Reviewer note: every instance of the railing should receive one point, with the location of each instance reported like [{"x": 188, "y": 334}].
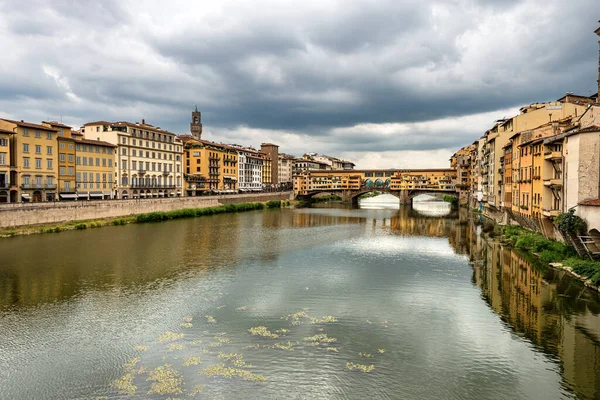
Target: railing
[
  {"x": 38, "y": 186},
  {"x": 553, "y": 155},
  {"x": 141, "y": 171},
  {"x": 166, "y": 172},
  {"x": 151, "y": 186}
]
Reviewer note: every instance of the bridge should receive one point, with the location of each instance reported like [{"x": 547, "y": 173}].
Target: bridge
[{"x": 405, "y": 184}]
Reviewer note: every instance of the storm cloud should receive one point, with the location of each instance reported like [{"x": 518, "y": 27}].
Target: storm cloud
[{"x": 386, "y": 83}]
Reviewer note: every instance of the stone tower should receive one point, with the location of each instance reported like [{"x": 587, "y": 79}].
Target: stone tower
[
  {"x": 597, "y": 31},
  {"x": 196, "y": 125}
]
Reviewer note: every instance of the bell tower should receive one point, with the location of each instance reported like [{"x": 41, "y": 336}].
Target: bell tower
[{"x": 196, "y": 125}]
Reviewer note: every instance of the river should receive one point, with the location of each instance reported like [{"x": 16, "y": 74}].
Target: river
[{"x": 439, "y": 312}]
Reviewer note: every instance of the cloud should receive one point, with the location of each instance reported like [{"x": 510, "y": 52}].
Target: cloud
[{"x": 355, "y": 78}]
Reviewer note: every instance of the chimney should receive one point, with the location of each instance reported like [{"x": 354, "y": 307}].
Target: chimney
[{"x": 143, "y": 121}]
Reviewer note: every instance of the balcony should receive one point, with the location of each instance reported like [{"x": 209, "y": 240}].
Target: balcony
[
  {"x": 166, "y": 172},
  {"x": 151, "y": 186},
  {"x": 550, "y": 213},
  {"x": 141, "y": 171},
  {"x": 38, "y": 186},
  {"x": 552, "y": 182},
  {"x": 216, "y": 158},
  {"x": 553, "y": 155}
]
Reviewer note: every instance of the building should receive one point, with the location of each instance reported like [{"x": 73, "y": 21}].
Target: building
[
  {"x": 462, "y": 163},
  {"x": 196, "y": 124},
  {"x": 5, "y": 166},
  {"x": 65, "y": 161},
  {"x": 148, "y": 161},
  {"x": 272, "y": 151},
  {"x": 250, "y": 170},
  {"x": 284, "y": 166},
  {"x": 209, "y": 167},
  {"x": 33, "y": 166},
  {"x": 267, "y": 172},
  {"x": 300, "y": 165},
  {"x": 95, "y": 168}
]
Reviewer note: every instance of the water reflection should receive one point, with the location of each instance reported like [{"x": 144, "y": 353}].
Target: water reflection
[{"x": 395, "y": 278}]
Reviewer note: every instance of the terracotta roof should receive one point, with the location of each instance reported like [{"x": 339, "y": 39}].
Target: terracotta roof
[
  {"x": 54, "y": 123},
  {"x": 97, "y": 123},
  {"x": 591, "y": 128},
  {"x": 28, "y": 125},
  {"x": 591, "y": 203},
  {"x": 95, "y": 142},
  {"x": 6, "y": 131}
]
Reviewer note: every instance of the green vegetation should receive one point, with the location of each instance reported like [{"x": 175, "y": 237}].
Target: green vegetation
[
  {"x": 547, "y": 250},
  {"x": 197, "y": 212},
  {"x": 333, "y": 197},
  {"x": 367, "y": 195},
  {"x": 274, "y": 204},
  {"x": 450, "y": 199},
  {"x": 586, "y": 268},
  {"x": 570, "y": 223}
]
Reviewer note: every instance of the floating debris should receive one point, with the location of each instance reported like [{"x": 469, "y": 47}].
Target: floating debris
[
  {"x": 205, "y": 351},
  {"x": 254, "y": 346},
  {"x": 381, "y": 351},
  {"x": 197, "y": 390},
  {"x": 130, "y": 366},
  {"x": 288, "y": 346},
  {"x": 186, "y": 325},
  {"x": 236, "y": 359},
  {"x": 282, "y": 331},
  {"x": 334, "y": 349},
  {"x": 262, "y": 331},
  {"x": 187, "y": 319},
  {"x": 170, "y": 336},
  {"x": 319, "y": 339},
  {"x": 140, "y": 348},
  {"x": 175, "y": 346},
  {"x": 215, "y": 344},
  {"x": 166, "y": 380},
  {"x": 219, "y": 307},
  {"x": 228, "y": 372},
  {"x": 196, "y": 341},
  {"x": 124, "y": 385},
  {"x": 324, "y": 320},
  {"x": 296, "y": 318},
  {"x": 365, "y": 355},
  {"x": 360, "y": 367},
  {"x": 210, "y": 319},
  {"x": 242, "y": 308},
  {"x": 193, "y": 360}
]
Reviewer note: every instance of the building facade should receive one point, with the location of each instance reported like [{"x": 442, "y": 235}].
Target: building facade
[
  {"x": 209, "y": 167},
  {"x": 271, "y": 172},
  {"x": 5, "y": 166},
  {"x": 250, "y": 171},
  {"x": 148, "y": 161}
]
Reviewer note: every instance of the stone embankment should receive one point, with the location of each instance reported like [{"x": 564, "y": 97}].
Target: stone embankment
[{"x": 16, "y": 215}]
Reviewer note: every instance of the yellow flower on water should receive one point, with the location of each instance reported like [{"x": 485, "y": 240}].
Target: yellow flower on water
[
  {"x": 186, "y": 325},
  {"x": 210, "y": 319},
  {"x": 197, "y": 390},
  {"x": 325, "y": 319},
  {"x": 366, "y": 355},
  {"x": 193, "y": 360},
  {"x": 334, "y": 349},
  {"x": 320, "y": 338},
  {"x": 187, "y": 319},
  {"x": 170, "y": 336},
  {"x": 381, "y": 351},
  {"x": 175, "y": 346},
  {"x": 360, "y": 367},
  {"x": 166, "y": 380},
  {"x": 140, "y": 348},
  {"x": 263, "y": 332}
]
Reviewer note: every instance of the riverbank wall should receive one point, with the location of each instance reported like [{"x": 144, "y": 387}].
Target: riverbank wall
[{"x": 17, "y": 215}]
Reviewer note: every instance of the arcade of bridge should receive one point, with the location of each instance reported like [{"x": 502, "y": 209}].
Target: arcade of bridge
[{"x": 394, "y": 180}]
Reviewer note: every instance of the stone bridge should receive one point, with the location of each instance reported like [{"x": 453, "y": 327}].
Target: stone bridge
[{"x": 350, "y": 184}]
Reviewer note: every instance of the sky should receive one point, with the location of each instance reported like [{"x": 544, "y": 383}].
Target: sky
[{"x": 386, "y": 84}]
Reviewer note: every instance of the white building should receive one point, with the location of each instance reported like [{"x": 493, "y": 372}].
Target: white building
[
  {"x": 250, "y": 169},
  {"x": 148, "y": 161}
]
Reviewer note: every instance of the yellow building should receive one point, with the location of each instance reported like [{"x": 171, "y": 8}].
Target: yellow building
[
  {"x": 65, "y": 160},
  {"x": 95, "y": 174},
  {"x": 33, "y": 156},
  {"x": 267, "y": 174},
  {"x": 209, "y": 166},
  {"x": 5, "y": 169}
]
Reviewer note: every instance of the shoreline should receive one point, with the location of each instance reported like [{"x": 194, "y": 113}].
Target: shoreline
[
  {"x": 158, "y": 216},
  {"x": 508, "y": 239}
]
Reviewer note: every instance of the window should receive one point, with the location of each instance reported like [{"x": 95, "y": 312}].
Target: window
[
  {"x": 78, "y": 160},
  {"x": 97, "y": 161},
  {"x": 25, "y": 133},
  {"x": 124, "y": 152},
  {"x": 62, "y": 170},
  {"x": 110, "y": 162},
  {"x": 71, "y": 158},
  {"x": 3, "y": 142},
  {"x": 50, "y": 181},
  {"x": 124, "y": 140},
  {"x": 124, "y": 164},
  {"x": 90, "y": 161},
  {"x": 38, "y": 163},
  {"x": 38, "y": 149},
  {"x": 104, "y": 162},
  {"x": 25, "y": 148},
  {"x": 62, "y": 132},
  {"x": 72, "y": 171},
  {"x": 49, "y": 150},
  {"x": 67, "y": 186},
  {"x": 62, "y": 145},
  {"x": 84, "y": 160},
  {"x": 134, "y": 153},
  {"x": 2, "y": 158},
  {"x": 25, "y": 162},
  {"x": 134, "y": 165},
  {"x": 38, "y": 134},
  {"x": 97, "y": 129},
  {"x": 62, "y": 157},
  {"x": 49, "y": 135},
  {"x": 26, "y": 181},
  {"x": 70, "y": 146}
]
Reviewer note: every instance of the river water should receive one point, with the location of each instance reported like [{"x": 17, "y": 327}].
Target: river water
[{"x": 437, "y": 310}]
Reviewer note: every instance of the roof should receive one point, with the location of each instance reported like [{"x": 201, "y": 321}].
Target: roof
[
  {"x": 591, "y": 128},
  {"x": 54, "y": 123},
  {"x": 95, "y": 142},
  {"x": 595, "y": 203},
  {"x": 6, "y": 131},
  {"x": 269, "y": 144},
  {"x": 97, "y": 123},
  {"x": 29, "y": 125}
]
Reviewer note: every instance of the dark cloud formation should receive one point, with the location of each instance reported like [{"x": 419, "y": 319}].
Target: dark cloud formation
[{"x": 355, "y": 76}]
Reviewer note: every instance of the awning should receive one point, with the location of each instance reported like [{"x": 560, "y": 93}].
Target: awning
[
  {"x": 161, "y": 194},
  {"x": 25, "y": 196},
  {"x": 96, "y": 194},
  {"x": 233, "y": 178},
  {"x": 68, "y": 196},
  {"x": 143, "y": 195},
  {"x": 178, "y": 192},
  {"x": 172, "y": 193},
  {"x": 155, "y": 194}
]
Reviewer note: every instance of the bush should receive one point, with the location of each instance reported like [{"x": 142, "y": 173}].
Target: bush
[
  {"x": 570, "y": 223},
  {"x": 450, "y": 199},
  {"x": 274, "y": 204},
  {"x": 197, "y": 212},
  {"x": 120, "y": 221},
  {"x": 81, "y": 226},
  {"x": 587, "y": 268}
]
